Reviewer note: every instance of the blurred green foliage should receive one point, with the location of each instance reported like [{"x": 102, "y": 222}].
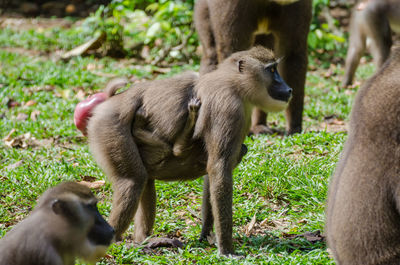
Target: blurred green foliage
[
  {"x": 156, "y": 31},
  {"x": 162, "y": 31},
  {"x": 324, "y": 42}
]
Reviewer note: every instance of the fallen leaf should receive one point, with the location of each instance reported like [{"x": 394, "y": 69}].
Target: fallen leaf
[
  {"x": 250, "y": 226},
  {"x": 15, "y": 165},
  {"x": 93, "y": 185},
  {"x": 30, "y": 103},
  {"x": 34, "y": 115},
  {"x": 349, "y": 92},
  {"x": 314, "y": 236},
  {"x": 211, "y": 239},
  {"x": 328, "y": 74},
  {"x": 264, "y": 222},
  {"x": 161, "y": 70},
  {"x": 92, "y": 44},
  {"x": 80, "y": 95},
  {"x": 22, "y": 116},
  {"x": 46, "y": 88},
  {"x": 20, "y": 141},
  {"x": 309, "y": 236},
  {"x": 8, "y": 136},
  {"x": 280, "y": 224},
  {"x": 194, "y": 213},
  {"x": 164, "y": 242},
  {"x": 89, "y": 178},
  {"x": 63, "y": 93},
  {"x": 12, "y": 103},
  {"x": 91, "y": 66},
  {"x": 145, "y": 53}
]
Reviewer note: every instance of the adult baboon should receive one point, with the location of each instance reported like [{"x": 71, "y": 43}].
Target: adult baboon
[
  {"x": 363, "y": 218},
  {"x": 225, "y": 27},
  {"x": 64, "y": 225},
  {"x": 371, "y": 20},
  {"x": 227, "y": 95}
]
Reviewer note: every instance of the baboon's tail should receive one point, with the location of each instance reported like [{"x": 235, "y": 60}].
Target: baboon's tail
[{"x": 114, "y": 84}]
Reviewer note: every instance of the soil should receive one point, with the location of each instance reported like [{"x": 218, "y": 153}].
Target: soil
[{"x": 46, "y": 8}]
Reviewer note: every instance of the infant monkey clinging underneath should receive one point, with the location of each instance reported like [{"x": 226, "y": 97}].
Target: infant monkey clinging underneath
[{"x": 213, "y": 135}]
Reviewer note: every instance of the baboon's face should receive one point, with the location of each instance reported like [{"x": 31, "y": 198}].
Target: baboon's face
[
  {"x": 87, "y": 225},
  {"x": 100, "y": 233},
  {"x": 272, "y": 92}
]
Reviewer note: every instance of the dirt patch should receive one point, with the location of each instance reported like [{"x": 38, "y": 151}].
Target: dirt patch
[
  {"x": 332, "y": 124},
  {"x": 33, "y": 23}
]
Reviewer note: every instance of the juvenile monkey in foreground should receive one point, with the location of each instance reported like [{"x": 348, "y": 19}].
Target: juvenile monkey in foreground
[
  {"x": 64, "y": 225},
  {"x": 228, "y": 95},
  {"x": 371, "y": 20},
  {"x": 225, "y": 27},
  {"x": 363, "y": 216}
]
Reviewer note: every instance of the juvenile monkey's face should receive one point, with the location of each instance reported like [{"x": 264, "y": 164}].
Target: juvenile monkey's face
[
  {"x": 87, "y": 226},
  {"x": 273, "y": 93},
  {"x": 100, "y": 235}
]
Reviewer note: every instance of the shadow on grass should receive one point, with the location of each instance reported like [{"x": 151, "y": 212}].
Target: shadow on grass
[{"x": 283, "y": 244}]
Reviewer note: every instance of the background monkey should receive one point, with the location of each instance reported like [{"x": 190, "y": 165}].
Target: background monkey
[
  {"x": 228, "y": 95},
  {"x": 371, "y": 20},
  {"x": 363, "y": 218},
  {"x": 225, "y": 27},
  {"x": 64, "y": 225}
]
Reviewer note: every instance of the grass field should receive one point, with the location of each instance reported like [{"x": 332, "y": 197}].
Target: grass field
[{"x": 279, "y": 188}]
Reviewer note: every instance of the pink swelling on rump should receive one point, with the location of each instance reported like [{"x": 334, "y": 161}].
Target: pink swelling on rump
[{"x": 84, "y": 110}]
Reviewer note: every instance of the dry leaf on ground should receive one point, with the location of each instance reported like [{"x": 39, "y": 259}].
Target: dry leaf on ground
[
  {"x": 15, "y": 165},
  {"x": 93, "y": 185},
  {"x": 212, "y": 239},
  {"x": 89, "y": 178},
  {"x": 34, "y": 115},
  {"x": 312, "y": 237},
  {"x": 12, "y": 103},
  {"x": 20, "y": 141},
  {"x": 22, "y": 117},
  {"x": 30, "y": 103},
  {"x": 250, "y": 226},
  {"x": 164, "y": 242}
]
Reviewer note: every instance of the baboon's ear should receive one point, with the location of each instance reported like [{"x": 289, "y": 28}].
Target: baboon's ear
[
  {"x": 65, "y": 208},
  {"x": 58, "y": 206},
  {"x": 240, "y": 64}
]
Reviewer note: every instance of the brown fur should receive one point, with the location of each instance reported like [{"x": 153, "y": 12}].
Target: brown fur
[
  {"x": 372, "y": 20},
  {"x": 227, "y": 98},
  {"x": 225, "y": 27},
  {"x": 363, "y": 218},
  {"x": 58, "y": 230},
  {"x": 144, "y": 136}
]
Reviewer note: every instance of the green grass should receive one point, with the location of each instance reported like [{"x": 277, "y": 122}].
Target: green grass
[{"x": 282, "y": 180}]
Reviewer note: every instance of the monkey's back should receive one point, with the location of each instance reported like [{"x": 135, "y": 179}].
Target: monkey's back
[
  {"x": 165, "y": 103},
  {"x": 363, "y": 220}
]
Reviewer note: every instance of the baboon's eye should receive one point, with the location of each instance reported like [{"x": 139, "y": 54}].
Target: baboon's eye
[{"x": 271, "y": 68}]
